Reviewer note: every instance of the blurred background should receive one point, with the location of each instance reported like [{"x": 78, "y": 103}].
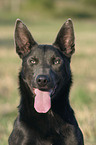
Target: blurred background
[{"x": 44, "y": 19}]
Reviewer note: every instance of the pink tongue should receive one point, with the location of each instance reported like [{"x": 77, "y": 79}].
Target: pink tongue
[{"x": 42, "y": 101}]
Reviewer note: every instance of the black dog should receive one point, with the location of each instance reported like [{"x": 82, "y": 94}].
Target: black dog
[{"x": 45, "y": 115}]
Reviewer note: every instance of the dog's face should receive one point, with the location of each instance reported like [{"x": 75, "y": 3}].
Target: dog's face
[
  {"x": 42, "y": 67},
  {"x": 45, "y": 68}
]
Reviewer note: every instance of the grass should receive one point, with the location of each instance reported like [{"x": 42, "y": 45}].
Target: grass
[{"x": 83, "y": 92}]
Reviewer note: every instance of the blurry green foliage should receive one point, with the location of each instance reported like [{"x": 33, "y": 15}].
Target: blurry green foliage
[
  {"x": 44, "y": 4},
  {"x": 53, "y": 8},
  {"x": 90, "y": 2}
]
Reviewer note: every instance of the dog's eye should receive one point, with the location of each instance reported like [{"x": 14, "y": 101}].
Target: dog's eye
[
  {"x": 33, "y": 61},
  {"x": 56, "y": 61}
]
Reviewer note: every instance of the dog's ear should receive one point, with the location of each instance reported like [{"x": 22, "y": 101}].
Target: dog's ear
[
  {"x": 65, "y": 39},
  {"x": 23, "y": 39}
]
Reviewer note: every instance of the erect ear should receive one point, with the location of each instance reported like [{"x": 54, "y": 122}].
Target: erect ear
[
  {"x": 65, "y": 39},
  {"x": 23, "y": 39}
]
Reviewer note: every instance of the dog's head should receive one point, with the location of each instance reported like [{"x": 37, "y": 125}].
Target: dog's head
[{"x": 45, "y": 68}]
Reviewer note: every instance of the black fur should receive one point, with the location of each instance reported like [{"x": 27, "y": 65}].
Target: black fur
[{"x": 58, "y": 126}]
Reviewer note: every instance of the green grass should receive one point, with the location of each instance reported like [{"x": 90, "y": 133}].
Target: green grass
[{"x": 83, "y": 92}]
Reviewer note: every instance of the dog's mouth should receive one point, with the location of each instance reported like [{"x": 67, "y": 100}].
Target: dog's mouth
[{"x": 42, "y": 101}]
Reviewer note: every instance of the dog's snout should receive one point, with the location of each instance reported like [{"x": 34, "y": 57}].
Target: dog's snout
[{"x": 42, "y": 80}]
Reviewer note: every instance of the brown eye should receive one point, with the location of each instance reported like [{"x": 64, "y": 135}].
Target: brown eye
[
  {"x": 33, "y": 61},
  {"x": 56, "y": 61}
]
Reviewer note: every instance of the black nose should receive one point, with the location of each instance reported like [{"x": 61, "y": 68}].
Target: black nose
[{"x": 42, "y": 80}]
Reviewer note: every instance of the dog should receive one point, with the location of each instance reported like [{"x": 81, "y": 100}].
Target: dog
[{"x": 45, "y": 115}]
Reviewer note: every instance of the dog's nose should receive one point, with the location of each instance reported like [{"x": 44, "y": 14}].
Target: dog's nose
[{"x": 42, "y": 80}]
